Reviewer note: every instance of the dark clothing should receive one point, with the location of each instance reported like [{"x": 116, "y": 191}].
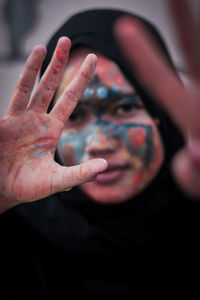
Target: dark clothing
[
  {"x": 52, "y": 250},
  {"x": 67, "y": 245}
]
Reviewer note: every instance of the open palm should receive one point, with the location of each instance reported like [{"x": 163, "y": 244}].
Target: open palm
[{"x": 29, "y": 135}]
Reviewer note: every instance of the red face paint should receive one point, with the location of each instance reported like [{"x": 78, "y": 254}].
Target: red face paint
[
  {"x": 134, "y": 153},
  {"x": 137, "y": 136},
  {"x": 118, "y": 79}
]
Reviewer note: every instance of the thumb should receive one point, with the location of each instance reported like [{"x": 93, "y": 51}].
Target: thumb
[{"x": 67, "y": 177}]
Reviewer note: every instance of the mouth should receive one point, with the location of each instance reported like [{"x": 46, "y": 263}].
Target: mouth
[{"x": 112, "y": 174}]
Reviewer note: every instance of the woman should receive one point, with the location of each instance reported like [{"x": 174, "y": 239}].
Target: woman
[{"x": 123, "y": 232}]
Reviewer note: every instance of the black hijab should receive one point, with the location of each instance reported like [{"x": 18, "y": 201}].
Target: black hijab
[{"x": 71, "y": 220}]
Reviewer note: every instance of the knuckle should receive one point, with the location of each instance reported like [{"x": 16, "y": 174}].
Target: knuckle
[
  {"x": 82, "y": 172},
  {"x": 72, "y": 96},
  {"x": 51, "y": 86},
  {"x": 24, "y": 88},
  {"x": 86, "y": 75},
  {"x": 32, "y": 68}
]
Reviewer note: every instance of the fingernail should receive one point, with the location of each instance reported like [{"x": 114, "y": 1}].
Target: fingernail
[
  {"x": 65, "y": 41},
  {"x": 69, "y": 189},
  {"x": 94, "y": 61},
  {"x": 99, "y": 166}
]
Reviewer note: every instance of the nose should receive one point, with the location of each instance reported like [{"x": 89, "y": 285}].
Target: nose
[{"x": 102, "y": 145}]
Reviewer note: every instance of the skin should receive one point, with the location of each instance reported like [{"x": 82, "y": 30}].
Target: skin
[
  {"x": 29, "y": 135},
  {"x": 111, "y": 122}
]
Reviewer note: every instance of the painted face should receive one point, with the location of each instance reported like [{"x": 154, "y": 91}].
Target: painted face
[{"x": 111, "y": 122}]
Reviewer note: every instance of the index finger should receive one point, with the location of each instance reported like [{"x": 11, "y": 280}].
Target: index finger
[{"x": 187, "y": 28}]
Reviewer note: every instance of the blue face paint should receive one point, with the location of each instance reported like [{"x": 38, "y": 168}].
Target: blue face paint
[
  {"x": 110, "y": 97},
  {"x": 115, "y": 87},
  {"x": 98, "y": 90},
  {"x": 102, "y": 92},
  {"x": 88, "y": 93},
  {"x": 98, "y": 108},
  {"x": 80, "y": 140}
]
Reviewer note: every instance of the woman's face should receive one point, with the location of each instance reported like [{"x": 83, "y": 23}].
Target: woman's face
[{"x": 111, "y": 122}]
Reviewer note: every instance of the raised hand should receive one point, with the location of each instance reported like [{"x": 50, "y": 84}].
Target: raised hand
[
  {"x": 29, "y": 135},
  {"x": 182, "y": 103}
]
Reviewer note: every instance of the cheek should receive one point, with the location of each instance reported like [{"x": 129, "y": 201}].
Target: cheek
[
  {"x": 67, "y": 153},
  {"x": 140, "y": 142},
  {"x": 71, "y": 148}
]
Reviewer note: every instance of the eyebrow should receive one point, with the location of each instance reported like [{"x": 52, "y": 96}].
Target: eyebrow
[{"x": 119, "y": 97}]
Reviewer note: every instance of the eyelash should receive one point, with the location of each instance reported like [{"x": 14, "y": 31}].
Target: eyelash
[
  {"x": 77, "y": 117},
  {"x": 128, "y": 108}
]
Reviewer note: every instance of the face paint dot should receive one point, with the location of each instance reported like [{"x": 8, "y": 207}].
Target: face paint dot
[
  {"x": 115, "y": 87},
  {"x": 88, "y": 92},
  {"x": 102, "y": 92},
  {"x": 21, "y": 75}
]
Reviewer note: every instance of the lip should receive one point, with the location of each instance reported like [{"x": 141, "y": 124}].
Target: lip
[{"x": 113, "y": 173}]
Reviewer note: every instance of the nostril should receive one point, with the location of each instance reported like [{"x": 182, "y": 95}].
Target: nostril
[
  {"x": 100, "y": 152},
  {"x": 101, "y": 144},
  {"x": 101, "y": 147}
]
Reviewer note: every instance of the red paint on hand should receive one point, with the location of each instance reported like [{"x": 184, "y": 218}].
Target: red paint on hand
[
  {"x": 55, "y": 71},
  {"x": 61, "y": 54}
]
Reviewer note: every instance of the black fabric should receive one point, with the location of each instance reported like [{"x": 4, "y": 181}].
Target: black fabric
[{"x": 66, "y": 246}]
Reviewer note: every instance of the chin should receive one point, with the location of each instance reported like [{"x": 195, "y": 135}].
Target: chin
[{"x": 110, "y": 194}]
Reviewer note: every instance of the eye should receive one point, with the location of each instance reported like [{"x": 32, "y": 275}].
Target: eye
[
  {"x": 128, "y": 106},
  {"x": 77, "y": 116},
  {"x": 126, "y": 109}
]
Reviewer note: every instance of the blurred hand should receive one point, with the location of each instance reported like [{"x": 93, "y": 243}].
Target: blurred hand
[
  {"x": 29, "y": 135},
  {"x": 182, "y": 103}
]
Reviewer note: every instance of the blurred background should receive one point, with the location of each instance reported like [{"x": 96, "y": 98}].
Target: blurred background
[{"x": 25, "y": 23}]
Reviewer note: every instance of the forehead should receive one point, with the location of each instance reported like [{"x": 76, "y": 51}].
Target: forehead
[{"x": 108, "y": 79}]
